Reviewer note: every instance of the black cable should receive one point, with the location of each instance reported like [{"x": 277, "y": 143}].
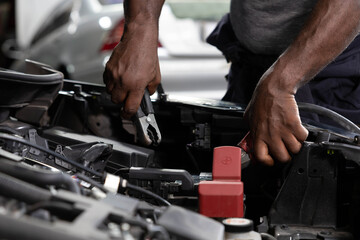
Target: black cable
[
  {"x": 56, "y": 155},
  {"x": 339, "y": 119},
  {"x": 39, "y": 176},
  {"x": 92, "y": 182},
  {"x": 143, "y": 191},
  {"x": 23, "y": 191}
]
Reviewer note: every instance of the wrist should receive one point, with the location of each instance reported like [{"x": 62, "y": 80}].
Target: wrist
[
  {"x": 142, "y": 20},
  {"x": 140, "y": 12},
  {"x": 141, "y": 34},
  {"x": 283, "y": 77}
]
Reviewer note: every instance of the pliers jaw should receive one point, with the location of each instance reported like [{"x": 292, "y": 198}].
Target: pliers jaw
[{"x": 148, "y": 132}]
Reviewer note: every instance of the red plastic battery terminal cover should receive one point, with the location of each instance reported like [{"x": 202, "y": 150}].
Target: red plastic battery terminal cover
[{"x": 223, "y": 197}]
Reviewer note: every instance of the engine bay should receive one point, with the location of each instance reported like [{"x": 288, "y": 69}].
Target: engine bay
[{"x": 72, "y": 168}]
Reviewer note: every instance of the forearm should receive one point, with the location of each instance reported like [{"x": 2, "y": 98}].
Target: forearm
[
  {"x": 142, "y": 11},
  {"x": 331, "y": 27},
  {"x": 142, "y": 16}
]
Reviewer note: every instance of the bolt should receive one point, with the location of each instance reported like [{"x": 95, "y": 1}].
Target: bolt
[{"x": 148, "y": 120}]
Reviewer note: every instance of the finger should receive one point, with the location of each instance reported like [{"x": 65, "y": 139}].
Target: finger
[
  {"x": 301, "y": 133},
  {"x": 291, "y": 143},
  {"x": 132, "y": 103},
  {"x": 118, "y": 95},
  {"x": 278, "y": 150},
  {"x": 261, "y": 153}
]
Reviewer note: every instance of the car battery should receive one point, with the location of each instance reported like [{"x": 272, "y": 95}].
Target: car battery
[{"x": 223, "y": 197}]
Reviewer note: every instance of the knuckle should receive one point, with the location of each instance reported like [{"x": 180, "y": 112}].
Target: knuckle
[{"x": 294, "y": 124}]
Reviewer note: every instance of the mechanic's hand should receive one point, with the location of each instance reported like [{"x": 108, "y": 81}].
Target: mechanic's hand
[
  {"x": 132, "y": 67},
  {"x": 275, "y": 125}
]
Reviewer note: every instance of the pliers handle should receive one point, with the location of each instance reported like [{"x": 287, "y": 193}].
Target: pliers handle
[{"x": 246, "y": 146}]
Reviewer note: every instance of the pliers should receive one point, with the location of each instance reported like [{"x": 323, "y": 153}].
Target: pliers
[{"x": 148, "y": 132}]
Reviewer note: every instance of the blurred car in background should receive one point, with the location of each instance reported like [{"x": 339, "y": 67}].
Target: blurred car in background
[{"x": 78, "y": 36}]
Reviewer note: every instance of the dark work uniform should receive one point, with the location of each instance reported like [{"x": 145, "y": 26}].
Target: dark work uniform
[
  {"x": 256, "y": 32},
  {"x": 252, "y": 37}
]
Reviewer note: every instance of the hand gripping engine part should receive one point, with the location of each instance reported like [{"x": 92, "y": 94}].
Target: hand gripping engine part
[{"x": 224, "y": 196}]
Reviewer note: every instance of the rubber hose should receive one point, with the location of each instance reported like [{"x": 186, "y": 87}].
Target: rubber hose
[
  {"x": 341, "y": 120},
  {"x": 23, "y": 191},
  {"x": 39, "y": 177}
]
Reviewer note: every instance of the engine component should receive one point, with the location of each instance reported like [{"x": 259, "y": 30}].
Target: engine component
[
  {"x": 310, "y": 195},
  {"x": 224, "y": 196},
  {"x": 187, "y": 224},
  {"x": 240, "y": 228},
  {"x": 38, "y": 176},
  {"x": 94, "y": 155},
  {"x": 29, "y": 95},
  {"x": 318, "y": 192},
  {"x": 123, "y": 155},
  {"x": 164, "y": 182},
  {"x": 111, "y": 218}
]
